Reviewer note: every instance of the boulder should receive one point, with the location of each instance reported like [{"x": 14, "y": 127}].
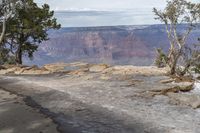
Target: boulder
[
  {"x": 20, "y": 70},
  {"x": 98, "y": 68},
  {"x": 35, "y": 72},
  {"x": 142, "y": 70},
  {"x": 57, "y": 67},
  {"x": 3, "y": 72},
  {"x": 26, "y": 68},
  {"x": 78, "y": 72},
  {"x": 10, "y": 70}
]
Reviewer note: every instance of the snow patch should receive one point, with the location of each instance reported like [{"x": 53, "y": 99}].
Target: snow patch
[{"x": 196, "y": 87}]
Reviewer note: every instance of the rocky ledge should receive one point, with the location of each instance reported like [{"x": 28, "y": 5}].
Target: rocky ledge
[{"x": 98, "y": 98}]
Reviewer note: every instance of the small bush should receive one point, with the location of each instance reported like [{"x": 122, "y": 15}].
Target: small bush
[{"x": 161, "y": 58}]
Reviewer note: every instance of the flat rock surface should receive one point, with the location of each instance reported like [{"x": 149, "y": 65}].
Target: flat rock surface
[
  {"x": 17, "y": 117},
  {"x": 110, "y": 101}
]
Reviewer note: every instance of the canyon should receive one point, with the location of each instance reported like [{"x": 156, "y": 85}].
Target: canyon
[{"x": 119, "y": 45}]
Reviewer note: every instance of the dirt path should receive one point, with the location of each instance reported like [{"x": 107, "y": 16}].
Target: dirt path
[{"x": 17, "y": 117}]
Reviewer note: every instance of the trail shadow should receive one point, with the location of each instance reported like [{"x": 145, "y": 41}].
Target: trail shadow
[{"x": 16, "y": 117}]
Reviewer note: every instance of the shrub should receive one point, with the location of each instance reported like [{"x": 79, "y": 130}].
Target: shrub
[{"x": 161, "y": 58}]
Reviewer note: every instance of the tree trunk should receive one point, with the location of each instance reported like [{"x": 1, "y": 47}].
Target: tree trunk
[
  {"x": 174, "y": 58},
  {"x": 173, "y": 68},
  {"x": 171, "y": 61},
  {"x": 172, "y": 64},
  {"x": 18, "y": 56},
  {"x": 3, "y": 30}
]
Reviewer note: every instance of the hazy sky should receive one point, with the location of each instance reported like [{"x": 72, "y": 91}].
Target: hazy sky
[
  {"x": 102, "y": 4},
  {"x": 120, "y": 12}
]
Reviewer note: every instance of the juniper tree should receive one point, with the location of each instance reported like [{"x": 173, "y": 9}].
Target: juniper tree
[
  {"x": 28, "y": 28},
  {"x": 178, "y": 13}
]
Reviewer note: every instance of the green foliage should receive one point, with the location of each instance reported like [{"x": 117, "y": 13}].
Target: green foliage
[
  {"x": 3, "y": 55},
  {"x": 178, "y": 12},
  {"x": 28, "y": 28},
  {"x": 196, "y": 65},
  {"x": 161, "y": 58},
  {"x": 5, "y": 58},
  {"x": 196, "y": 69}
]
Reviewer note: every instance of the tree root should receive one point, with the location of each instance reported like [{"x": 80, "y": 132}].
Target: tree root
[{"x": 175, "y": 89}]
